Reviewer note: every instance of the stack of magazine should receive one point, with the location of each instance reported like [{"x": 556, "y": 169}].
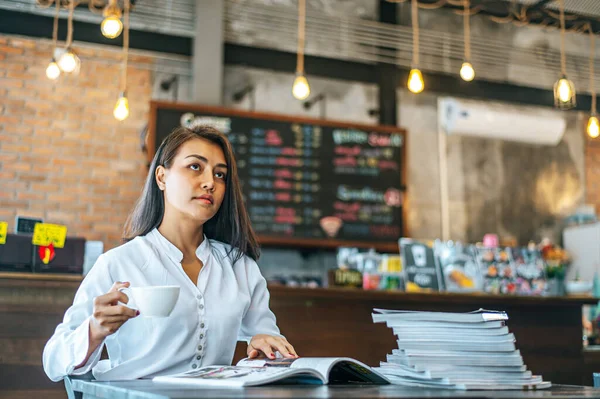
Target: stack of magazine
[{"x": 455, "y": 351}]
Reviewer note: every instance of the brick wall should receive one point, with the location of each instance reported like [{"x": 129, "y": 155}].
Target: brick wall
[{"x": 63, "y": 156}]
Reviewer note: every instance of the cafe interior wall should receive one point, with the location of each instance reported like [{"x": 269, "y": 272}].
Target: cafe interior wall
[
  {"x": 475, "y": 193},
  {"x": 516, "y": 190},
  {"x": 488, "y": 189},
  {"x": 519, "y": 191}
]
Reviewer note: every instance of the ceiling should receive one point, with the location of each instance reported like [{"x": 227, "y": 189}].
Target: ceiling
[
  {"x": 545, "y": 12},
  {"x": 586, "y": 8},
  {"x": 177, "y": 16}
]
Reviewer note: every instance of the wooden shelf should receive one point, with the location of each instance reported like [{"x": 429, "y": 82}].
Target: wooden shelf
[
  {"x": 312, "y": 244},
  {"x": 481, "y": 299},
  {"x": 40, "y": 280},
  {"x": 41, "y": 276}
]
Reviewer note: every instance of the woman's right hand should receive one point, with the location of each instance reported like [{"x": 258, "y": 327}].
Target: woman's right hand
[{"x": 108, "y": 316}]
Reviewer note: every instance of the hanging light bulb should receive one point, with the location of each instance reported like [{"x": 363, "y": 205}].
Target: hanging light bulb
[
  {"x": 68, "y": 61},
  {"x": 593, "y": 127},
  {"x": 467, "y": 73},
  {"x": 564, "y": 93},
  {"x": 121, "y": 111},
  {"x": 301, "y": 89},
  {"x": 415, "y": 81},
  {"x": 564, "y": 89},
  {"x": 415, "y": 78},
  {"x": 52, "y": 71},
  {"x": 112, "y": 26}
]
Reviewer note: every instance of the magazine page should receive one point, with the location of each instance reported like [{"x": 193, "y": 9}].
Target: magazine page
[
  {"x": 264, "y": 362},
  {"x": 456, "y": 338},
  {"x": 444, "y": 370},
  {"x": 444, "y": 383},
  {"x": 458, "y": 332},
  {"x": 235, "y": 376},
  {"x": 477, "y": 316},
  {"x": 516, "y": 354},
  {"x": 505, "y": 387},
  {"x": 422, "y": 382},
  {"x": 424, "y": 362},
  {"x": 458, "y": 346},
  {"x": 341, "y": 370},
  {"x": 321, "y": 364},
  {"x": 431, "y": 325}
]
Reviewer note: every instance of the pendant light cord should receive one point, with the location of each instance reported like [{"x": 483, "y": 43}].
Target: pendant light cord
[
  {"x": 592, "y": 60},
  {"x": 301, "y": 36},
  {"x": 415, "y": 26},
  {"x": 70, "y": 23},
  {"x": 467, "y": 22},
  {"x": 125, "y": 47},
  {"x": 563, "y": 57}
]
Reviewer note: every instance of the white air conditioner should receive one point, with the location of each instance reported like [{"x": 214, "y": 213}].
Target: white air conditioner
[{"x": 499, "y": 121}]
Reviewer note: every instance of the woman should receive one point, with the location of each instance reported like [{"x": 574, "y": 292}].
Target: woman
[{"x": 189, "y": 228}]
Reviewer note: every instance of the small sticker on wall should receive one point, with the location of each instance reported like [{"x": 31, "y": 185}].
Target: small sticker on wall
[
  {"x": 45, "y": 234},
  {"x": 331, "y": 225},
  {"x": 46, "y": 253},
  {"x": 3, "y": 232}
]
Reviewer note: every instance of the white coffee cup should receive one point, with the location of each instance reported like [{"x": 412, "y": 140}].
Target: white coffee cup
[{"x": 153, "y": 301}]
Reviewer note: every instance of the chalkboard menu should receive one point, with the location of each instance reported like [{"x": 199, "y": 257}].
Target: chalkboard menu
[{"x": 307, "y": 182}]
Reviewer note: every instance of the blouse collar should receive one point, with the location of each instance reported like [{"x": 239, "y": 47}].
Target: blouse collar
[{"x": 202, "y": 252}]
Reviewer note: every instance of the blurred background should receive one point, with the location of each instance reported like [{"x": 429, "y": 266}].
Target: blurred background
[{"x": 484, "y": 112}]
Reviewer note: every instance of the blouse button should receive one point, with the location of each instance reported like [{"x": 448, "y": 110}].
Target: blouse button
[
  {"x": 199, "y": 347},
  {"x": 201, "y": 307},
  {"x": 198, "y": 357},
  {"x": 202, "y": 325},
  {"x": 194, "y": 366},
  {"x": 199, "y": 296},
  {"x": 201, "y": 336}
]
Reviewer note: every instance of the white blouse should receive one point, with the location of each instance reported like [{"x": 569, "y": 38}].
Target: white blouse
[{"x": 229, "y": 303}]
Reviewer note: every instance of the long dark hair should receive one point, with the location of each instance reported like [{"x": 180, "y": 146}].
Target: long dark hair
[{"x": 231, "y": 223}]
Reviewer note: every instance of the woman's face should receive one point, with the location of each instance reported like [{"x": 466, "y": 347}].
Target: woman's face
[{"x": 194, "y": 185}]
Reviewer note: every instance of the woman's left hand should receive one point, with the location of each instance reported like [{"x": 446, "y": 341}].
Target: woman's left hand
[{"x": 266, "y": 344}]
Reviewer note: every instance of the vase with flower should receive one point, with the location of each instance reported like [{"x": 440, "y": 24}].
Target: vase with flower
[{"x": 557, "y": 261}]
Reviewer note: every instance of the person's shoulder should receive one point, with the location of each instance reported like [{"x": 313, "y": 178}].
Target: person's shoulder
[
  {"x": 219, "y": 246},
  {"x": 225, "y": 252},
  {"x": 245, "y": 268},
  {"x": 135, "y": 252}
]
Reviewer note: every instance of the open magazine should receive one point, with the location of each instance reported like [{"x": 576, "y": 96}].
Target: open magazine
[
  {"x": 304, "y": 370},
  {"x": 399, "y": 316}
]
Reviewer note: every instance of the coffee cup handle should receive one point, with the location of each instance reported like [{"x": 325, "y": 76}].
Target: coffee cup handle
[{"x": 126, "y": 291}]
